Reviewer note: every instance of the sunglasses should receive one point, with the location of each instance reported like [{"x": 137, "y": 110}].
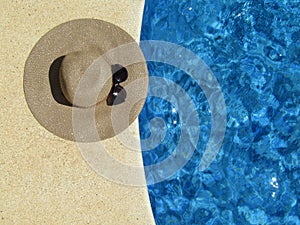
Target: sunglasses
[{"x": 117, "y": 94}]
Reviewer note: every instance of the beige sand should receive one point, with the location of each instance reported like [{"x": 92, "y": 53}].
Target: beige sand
[{"x": 44, "y": 179}]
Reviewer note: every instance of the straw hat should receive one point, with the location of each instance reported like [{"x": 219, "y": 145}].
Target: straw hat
[{"x": 70, "y": 69}]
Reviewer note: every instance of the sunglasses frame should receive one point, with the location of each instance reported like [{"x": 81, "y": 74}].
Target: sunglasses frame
[{"x": 117, "y": 94}]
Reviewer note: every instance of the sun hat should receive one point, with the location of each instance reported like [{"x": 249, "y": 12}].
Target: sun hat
[{"x": 71, "y": 68}]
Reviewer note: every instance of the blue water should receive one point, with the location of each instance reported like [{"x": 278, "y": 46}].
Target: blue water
[{"x": 253, "y": 49}]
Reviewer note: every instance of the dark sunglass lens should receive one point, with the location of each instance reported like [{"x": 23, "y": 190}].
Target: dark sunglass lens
[
  {"x": 120, "y": 94},
  {"x": 116, "y": 96},
  {"x": 120, "y": 73}
]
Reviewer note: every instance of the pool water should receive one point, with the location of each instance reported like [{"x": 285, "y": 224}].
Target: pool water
[{"x": 253, "y": 49}]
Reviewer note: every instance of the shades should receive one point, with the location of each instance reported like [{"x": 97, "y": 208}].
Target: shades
[{"x": 117, "y": 94}]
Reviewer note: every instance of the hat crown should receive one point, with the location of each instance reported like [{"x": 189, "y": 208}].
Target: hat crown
[{"x": 96, "y": 73}]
